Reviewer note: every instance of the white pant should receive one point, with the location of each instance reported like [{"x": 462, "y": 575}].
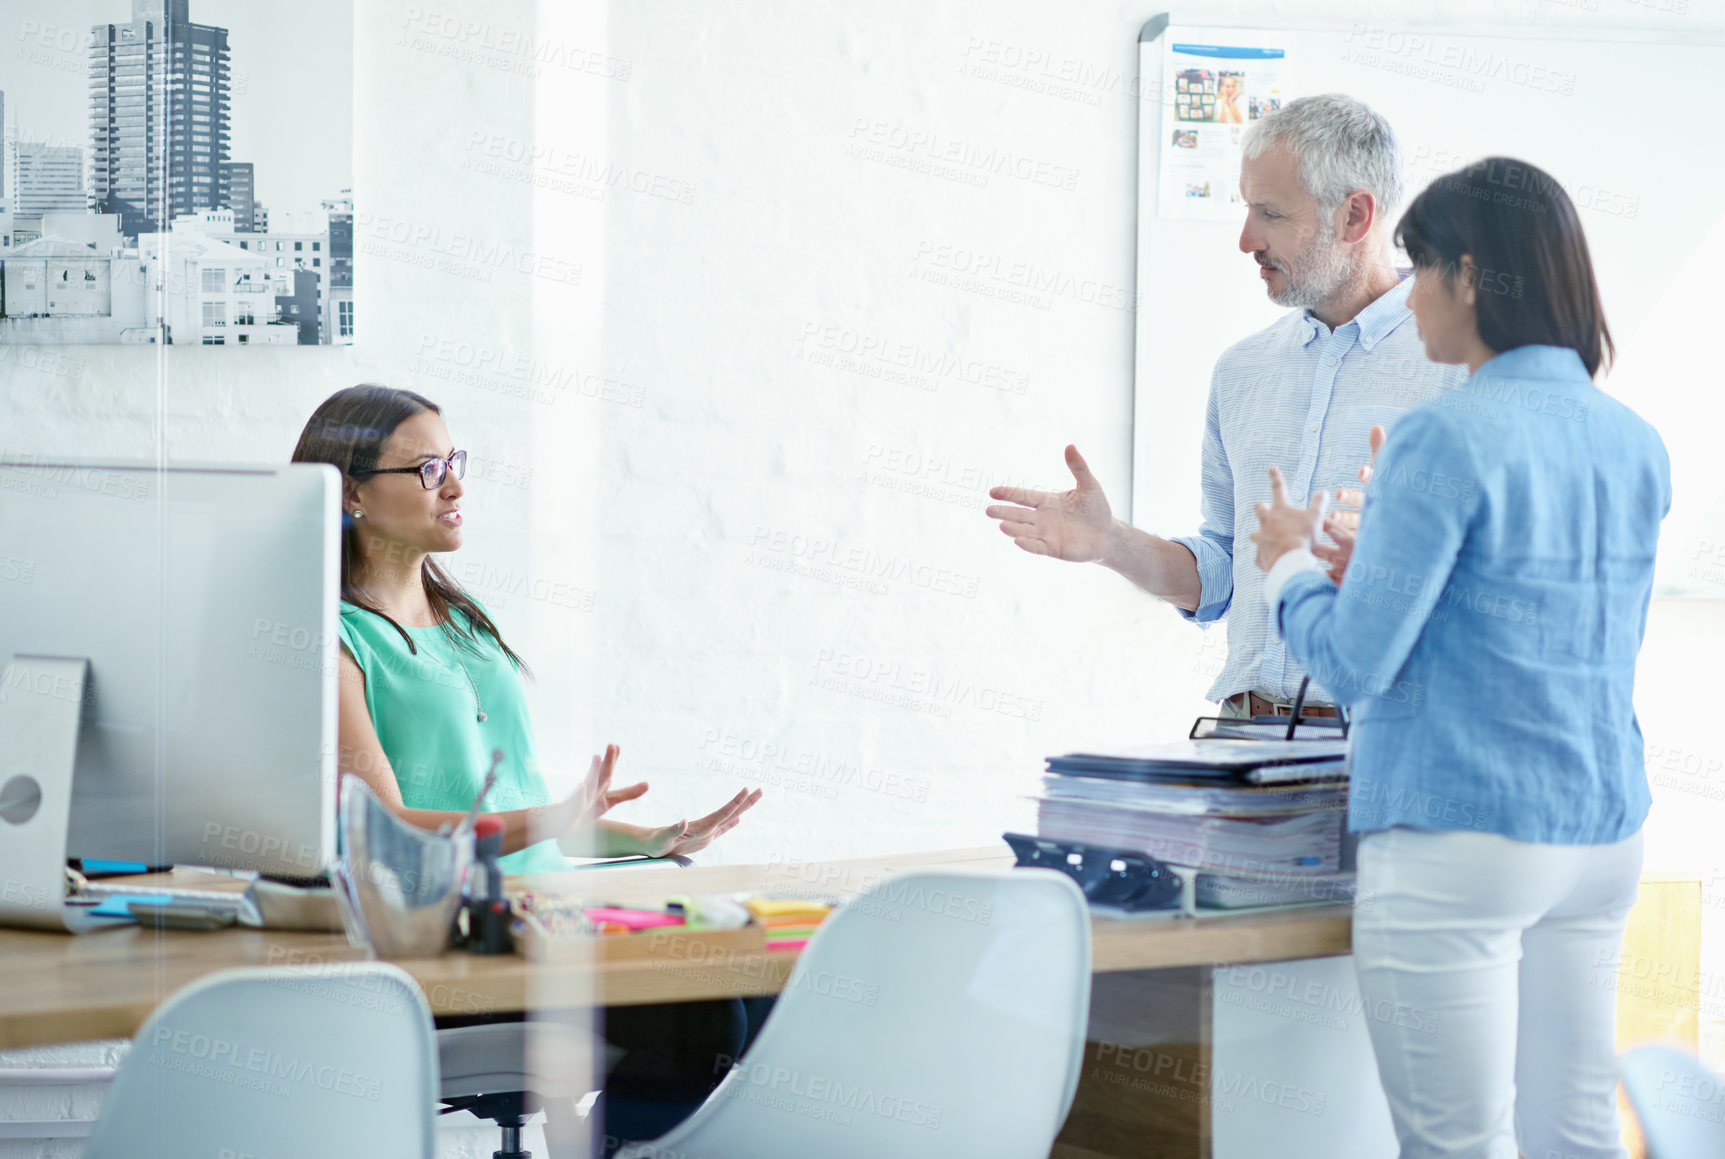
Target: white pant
[{"x": 1498, "y": 960}]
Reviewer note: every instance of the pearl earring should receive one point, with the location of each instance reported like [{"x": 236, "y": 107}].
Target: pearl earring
[{"x": 358, "y": 514}]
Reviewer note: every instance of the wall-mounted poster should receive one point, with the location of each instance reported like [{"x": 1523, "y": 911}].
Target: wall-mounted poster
[
  {"x": 1212, "y": 92},
  {"x": 177, "y": 171}
]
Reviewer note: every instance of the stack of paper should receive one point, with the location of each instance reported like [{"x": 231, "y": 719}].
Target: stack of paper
[
  {"x": 790, "y": 921},
  {"x": 1250, "y": 891},
  {"x": 1259, "y": 809},
  {"x": 1220, "y": 799}
]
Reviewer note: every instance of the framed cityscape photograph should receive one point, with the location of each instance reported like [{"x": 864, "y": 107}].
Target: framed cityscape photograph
[{"x": 177, "y": 171}]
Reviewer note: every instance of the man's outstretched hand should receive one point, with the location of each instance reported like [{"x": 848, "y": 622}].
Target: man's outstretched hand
[{"x": 1073, "y": 525}]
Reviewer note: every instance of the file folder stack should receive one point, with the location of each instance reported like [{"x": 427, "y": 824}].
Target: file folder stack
[{"x": 1256, "y": 821}]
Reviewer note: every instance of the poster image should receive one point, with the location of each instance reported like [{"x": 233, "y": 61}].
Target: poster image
[
  {"x": 1212, "y": 85},
  {"x": 177, "y": 172}
]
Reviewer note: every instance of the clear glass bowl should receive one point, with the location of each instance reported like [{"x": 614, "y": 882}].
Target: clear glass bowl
[{"x": 400, "y": 885}]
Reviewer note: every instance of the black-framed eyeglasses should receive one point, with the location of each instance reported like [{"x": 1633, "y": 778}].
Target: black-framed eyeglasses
[{"x": 431, "y": 473}]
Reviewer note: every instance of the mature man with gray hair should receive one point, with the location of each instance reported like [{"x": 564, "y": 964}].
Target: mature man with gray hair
[{"x": 1319, "y": 178}]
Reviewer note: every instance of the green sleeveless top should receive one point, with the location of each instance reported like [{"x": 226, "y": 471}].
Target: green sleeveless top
[{"x": 425, "y": 710}]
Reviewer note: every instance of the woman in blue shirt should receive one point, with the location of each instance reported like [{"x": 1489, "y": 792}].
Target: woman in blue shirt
[{"x": 1485, "y": 634}]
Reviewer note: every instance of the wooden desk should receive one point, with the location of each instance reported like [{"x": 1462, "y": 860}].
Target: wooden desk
[{"x": 61, "y": 988}]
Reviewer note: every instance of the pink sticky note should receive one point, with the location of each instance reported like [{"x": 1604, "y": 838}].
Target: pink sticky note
[{"x": 633, "y": 919}]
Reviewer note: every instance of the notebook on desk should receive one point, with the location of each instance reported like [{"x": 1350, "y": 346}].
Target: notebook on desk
[
  {"x": 1210, "y": 758},
  {"x": 676, "y": 859}
]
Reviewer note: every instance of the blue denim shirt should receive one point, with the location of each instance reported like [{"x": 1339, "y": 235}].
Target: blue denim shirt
[{"x": 1487, "y": 628}]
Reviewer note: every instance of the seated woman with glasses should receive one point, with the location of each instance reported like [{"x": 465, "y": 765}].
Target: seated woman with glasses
[{"x": 428, "y": 689}]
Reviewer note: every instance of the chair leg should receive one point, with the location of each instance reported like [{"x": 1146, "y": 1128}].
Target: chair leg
[
  {"x": 511, "y": 1142},
  {"x": 510, "y": 1110}
]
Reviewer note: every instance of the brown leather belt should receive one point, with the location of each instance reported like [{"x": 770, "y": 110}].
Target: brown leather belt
[{"x": 1256, "y": 705}]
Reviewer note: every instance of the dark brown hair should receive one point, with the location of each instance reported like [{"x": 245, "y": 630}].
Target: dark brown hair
[
  {"x": 348, "y": 430},
  {"x": 1533, "y": 275}
]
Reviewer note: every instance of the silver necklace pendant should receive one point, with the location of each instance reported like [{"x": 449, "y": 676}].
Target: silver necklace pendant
[{"x": 478, "y": 706}]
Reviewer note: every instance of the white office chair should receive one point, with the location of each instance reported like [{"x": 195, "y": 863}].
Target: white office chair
[
  {"x": 485, "y": 1070},
  {"x": 288, "y": 1061},
  {"x": 1678, "y": 1101},
  {"x": 937, "y": 1014}
]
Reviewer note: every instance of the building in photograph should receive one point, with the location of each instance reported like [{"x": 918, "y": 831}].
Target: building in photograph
[
  {"x": 47, "y": 178},
  {"x": 300, "y": 306},
  {"x": 159, "y": 105},
  {"x": 290, "y": 253},
  {"x": 99, "y": 231},
  {"x": 295, "y": 242},
  {"x": 339, "y": 304},
  {"x": 202, "y": 290},
  {"x": 242, "y": 195},
  {"x": 58, "y": 277},
  {"x": 58, "y": 290},
  {"x": 5, "y": 183}
]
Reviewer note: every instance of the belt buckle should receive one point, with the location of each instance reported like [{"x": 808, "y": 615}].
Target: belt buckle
[{"x": 1275, "y": 709}]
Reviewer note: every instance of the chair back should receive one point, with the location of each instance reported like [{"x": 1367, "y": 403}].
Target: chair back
[
  {"x": 1680, "y": 1103},
  {"x": 937, "y": 1013},
  {"x": 332, "y": 1060}
]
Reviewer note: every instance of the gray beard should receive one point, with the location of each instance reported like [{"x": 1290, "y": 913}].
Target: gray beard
[{"x": 1318, "y": 273}]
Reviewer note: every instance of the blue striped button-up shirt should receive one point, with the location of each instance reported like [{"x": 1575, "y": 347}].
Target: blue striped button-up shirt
[{"x": 1304, "y": 397}]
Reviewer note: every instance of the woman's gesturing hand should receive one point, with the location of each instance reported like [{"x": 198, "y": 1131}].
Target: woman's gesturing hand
[
  {"x": 1283, "y": 527},
  {"x": 591, "y": 800},
  {"x": 686, "y": 837},
  {"x": 1342, "y": 525}
]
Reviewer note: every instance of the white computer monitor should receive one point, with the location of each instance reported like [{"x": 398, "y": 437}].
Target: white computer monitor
[{"x": 205, "y": 598}]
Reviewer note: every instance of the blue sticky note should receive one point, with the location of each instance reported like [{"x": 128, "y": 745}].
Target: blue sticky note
[
  {"x": 95, "y": 865},
  {"x": 115, "y": 905}
]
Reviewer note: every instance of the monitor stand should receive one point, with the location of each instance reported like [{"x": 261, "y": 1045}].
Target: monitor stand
[{"x": 41, "y": 700}]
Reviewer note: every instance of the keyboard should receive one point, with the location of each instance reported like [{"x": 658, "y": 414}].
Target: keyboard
[{"x": 216, "y": 900}]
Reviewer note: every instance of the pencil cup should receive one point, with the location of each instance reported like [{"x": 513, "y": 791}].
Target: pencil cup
[{"x": 399, "y": 885}]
